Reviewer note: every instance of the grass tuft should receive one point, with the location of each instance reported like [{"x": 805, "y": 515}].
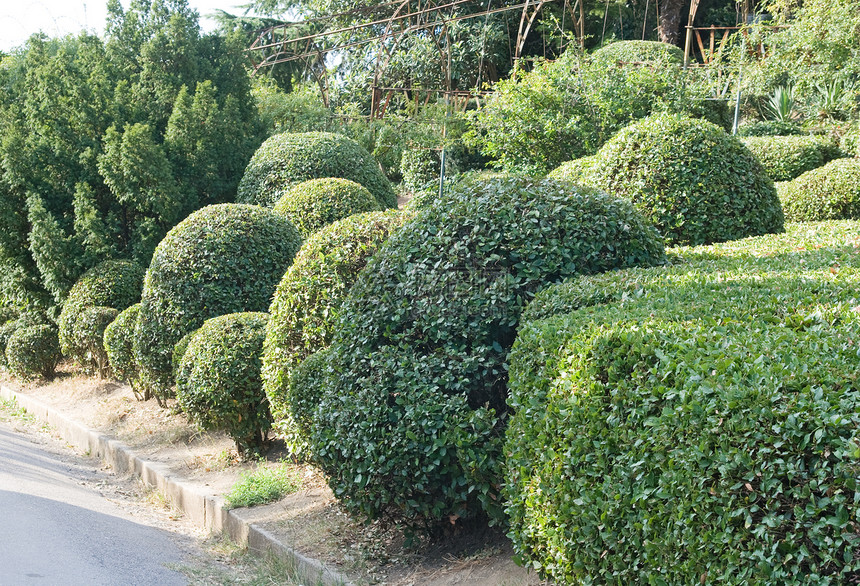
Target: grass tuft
[{"x": 264, "y": 485}]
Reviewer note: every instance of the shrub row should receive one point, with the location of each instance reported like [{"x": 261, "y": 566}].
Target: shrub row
[
  {"x": 693, "y": 423},
  {"x": 786, "y": 157},
  {"x": 831, "y": 192}
]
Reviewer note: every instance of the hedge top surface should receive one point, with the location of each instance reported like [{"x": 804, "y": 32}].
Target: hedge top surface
[
  {"x": 421, "y": 346},
  {"x": 634, "y": 52},
  {"x": 692, "y": 405},
  {"x": 289, "y": 158},
  {"x": 221, "y": 259},
  {"x": 695, "y": 182},
  {"x": 786, "y": 157},
  {"x": 316, "y": 203},
  {"x": 576, "y": 170},
  {"x": 831, "y": 192}
]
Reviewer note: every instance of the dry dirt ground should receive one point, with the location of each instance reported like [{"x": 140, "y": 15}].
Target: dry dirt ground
[{"x": 309, "y": 520}]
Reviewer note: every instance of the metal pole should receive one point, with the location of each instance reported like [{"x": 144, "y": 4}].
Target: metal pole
[{"x": 740, "y": 79}]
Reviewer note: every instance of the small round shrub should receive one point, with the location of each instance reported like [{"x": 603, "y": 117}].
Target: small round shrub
[
  {"x": 307, "y": 385},
  {"x": 307, "y": 302},
  {"x": 786, "y": 157},
  {"x": 697, "y": 184},
  {"x": 218, "y": 384},
  {"x": 831, "y": 192},
  {"x": 89, "y": 335},
  {"x": 574, "y": 170},
  {"x": 412, "y": 421},
  {"x": 221, "y": 259},
  {"x": 119, "y": 346},
  {"x": 112, "y": 283},
  {"x": 25, "y": 320},
  {"x": 770, "y": 128},
  {"x": 286, "y": 159},
  {"x": 850, "y": 142},
  {"x": 311, "y": 205},
  {"x": 33, "y": 352}
]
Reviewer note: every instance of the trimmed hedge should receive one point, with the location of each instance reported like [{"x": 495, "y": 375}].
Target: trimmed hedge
[
  {"x": 638, "y": 52},
  {"x": 112, "y": 283},
  {"x": 786, "y": 157},
  {"x": 770, "y": 128},
  {"x": 419, "y": 168},
  {"x": 575, "y": 171},
  {"x": 850, "y": 142},
  {"x": 286, "y": 159},
  {"x": 411, "y": 424},
  {"x": 686, "y": 424},
  {"x": 119, "y": 347},
  {"x": 25, "y": 320},
  {"x": 696, "y": 183},
  {"x": 33, "y": 352},
  {"x": 831, "y": 192},
  {"x": 314, "y": 204},
  {"x": 218, "y": 382},
  {"x": 307, "y": 385},
  {"x": 221, "y": 259},
  {"x": 307, "y": 303}
]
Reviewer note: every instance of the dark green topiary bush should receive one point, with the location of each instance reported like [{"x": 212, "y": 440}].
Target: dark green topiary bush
[
  {"x": 221, "y": 259},
  {"x": 696, "y": 183},
  {"x": 112, "y": 283},
  {"x": 831, "y": 192},
  {"x": 306, "y": 305},
  {"x": 119, "y": 348},
  {"x": 179, "y": 351},
  {"x": 25, "y": 320},
  {"x": 307, "y": 385},
  {"x": 33, "y": 352},
  {"x": 286, "y": 159},
  {"x": 419, "y": 167},
  {"x": 89, "y": 336},
  {"x": 575, "y": 170},
  {"x": 311, "y": 205},
  {"x": 786, "y": 157},
  {"x": 682, "y": 425},
  {"x": 412, "y": 422},
  {"x": 218, "y": 383}
]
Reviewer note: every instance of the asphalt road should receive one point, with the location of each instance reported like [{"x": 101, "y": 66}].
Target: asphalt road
[{"x": 56, "y": 527}]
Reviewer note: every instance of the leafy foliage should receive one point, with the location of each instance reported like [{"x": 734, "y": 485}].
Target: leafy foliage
[
  {"x": 412, "y": 420},
  {"x": 696, "y": 183},
  {"x": 263, "y": 485},
  {"x": 850, "y": 142},
  {"x": 306, "y": 387},
  {"x": 831, "y": 192},
  {"x": 33, "y": 352},
  {"x": 567, "y": 109},
  {"x": 681, "y": 424},
  {"x": 786, "y": 157},
  {"x": 119, "y": 346},
  {"x": 224, "y": 258},
  {"x": 218, "y": 382},
  {"x": 89, "y": 336},
  {"x": 307, "y": 303},
  {"x": 419, "y": 167},
  {"x": 286, "y": 159},
  {"x": 574, "y": 171},
  {"x": 770, "y": 128},
  {"x": 25, "y": 320},
  {"x": 316, "y": 203},
  {"x": 110, "y": 284}
]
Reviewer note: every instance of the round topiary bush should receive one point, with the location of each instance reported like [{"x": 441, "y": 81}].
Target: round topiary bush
[
  {"x": 112, "y": 283},
  {"x": 696, "y": 183},
  {"x": 218, "y": 384},
  {"x": 307, "y": 385},
  {"x": 786, "y": 157},
  {"x": 311, "y": 205},
  {"x": 412, "y": 421},
  {"x": 307, "y": 302},
  {"x": 25, "y": 320},
  {"x": 89, "y": 336},
  {"x": 831, "y": 192},
  {"x": 286, "y": 159},
  {"x": 770, "y": 128},
  {"x": 574, "y": 170},
  {"x": 119, "y": 347},
  {"x": 33, "y": 352},
  {"x": 221, "y": 259}
]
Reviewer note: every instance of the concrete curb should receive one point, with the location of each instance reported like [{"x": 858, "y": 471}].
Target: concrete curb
[{"x": 205, "y": 510}]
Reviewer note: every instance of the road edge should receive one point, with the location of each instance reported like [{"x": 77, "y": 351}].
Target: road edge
[{"x": 204, "y": 510}]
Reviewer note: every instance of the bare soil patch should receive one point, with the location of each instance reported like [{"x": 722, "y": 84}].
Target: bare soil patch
[{"x": 310, "y": 520}]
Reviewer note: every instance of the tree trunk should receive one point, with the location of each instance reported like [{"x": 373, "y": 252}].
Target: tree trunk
[{"x": 669, "y": 27}]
